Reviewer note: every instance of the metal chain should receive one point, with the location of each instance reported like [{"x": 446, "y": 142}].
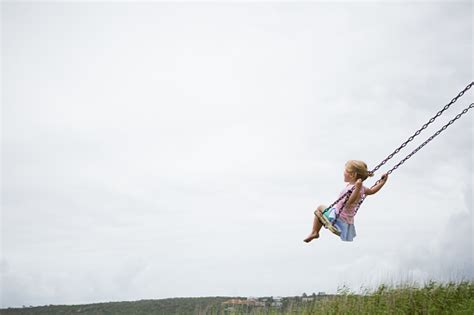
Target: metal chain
[
  {"x": 432, "y": 137},
  {"x": 432, "y": 119},
  {"x": 421, "y": 146},
  {"x": 391, "y": 155}
]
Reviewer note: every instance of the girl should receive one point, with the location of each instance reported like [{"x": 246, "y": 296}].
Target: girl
[{"x": 354, "y": 174}]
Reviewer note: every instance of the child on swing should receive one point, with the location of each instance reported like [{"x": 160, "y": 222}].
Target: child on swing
[{"x": 354, "y": 174}]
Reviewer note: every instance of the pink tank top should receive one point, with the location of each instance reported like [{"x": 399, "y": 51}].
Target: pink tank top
[{"x": 347, "y": 214}]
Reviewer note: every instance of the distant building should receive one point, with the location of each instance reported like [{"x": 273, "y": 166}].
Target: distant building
[
  {"x": 255, "y": 302},
  {"x": 249, "y": 301},
  {"x": 235, "y": 302},
  {"x": 277, "y": 301}
]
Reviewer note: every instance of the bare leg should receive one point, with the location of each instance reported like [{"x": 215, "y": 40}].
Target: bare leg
[{"x": 317, "y": 225}]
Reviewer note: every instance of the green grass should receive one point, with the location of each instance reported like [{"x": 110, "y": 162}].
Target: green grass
[{"x": 430, "y": 298}]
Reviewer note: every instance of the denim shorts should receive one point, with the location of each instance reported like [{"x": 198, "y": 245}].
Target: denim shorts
[{"x": 348, "y": 231}]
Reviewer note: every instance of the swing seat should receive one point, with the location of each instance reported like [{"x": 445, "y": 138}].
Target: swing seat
[{"x": 325, "y": 220}]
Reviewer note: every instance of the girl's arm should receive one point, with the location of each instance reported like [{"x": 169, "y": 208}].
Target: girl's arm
[
  {"x": 378, "y": 186},
  {"x": 355, "y": 193}
]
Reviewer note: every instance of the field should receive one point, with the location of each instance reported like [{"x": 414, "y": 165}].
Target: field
[{"x": 431, "y": 298}]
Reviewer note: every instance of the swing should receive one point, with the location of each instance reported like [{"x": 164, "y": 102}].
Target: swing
[{"x": 327, "y": 218}]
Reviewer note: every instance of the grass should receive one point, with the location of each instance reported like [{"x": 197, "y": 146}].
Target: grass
[{"x": 430, "y": 298}]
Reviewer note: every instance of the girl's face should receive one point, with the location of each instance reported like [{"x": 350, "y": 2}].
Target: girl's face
[{"x": 348, "y": 176}]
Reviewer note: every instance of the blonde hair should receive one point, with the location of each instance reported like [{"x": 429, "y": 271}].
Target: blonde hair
[{"x": 359, "y": 168}]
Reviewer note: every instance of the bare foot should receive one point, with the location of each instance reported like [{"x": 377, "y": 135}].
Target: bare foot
[{"x": 311, "y": 237}]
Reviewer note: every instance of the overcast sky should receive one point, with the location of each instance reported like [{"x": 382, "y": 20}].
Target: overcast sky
[{"x": 162, "y": 150}]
